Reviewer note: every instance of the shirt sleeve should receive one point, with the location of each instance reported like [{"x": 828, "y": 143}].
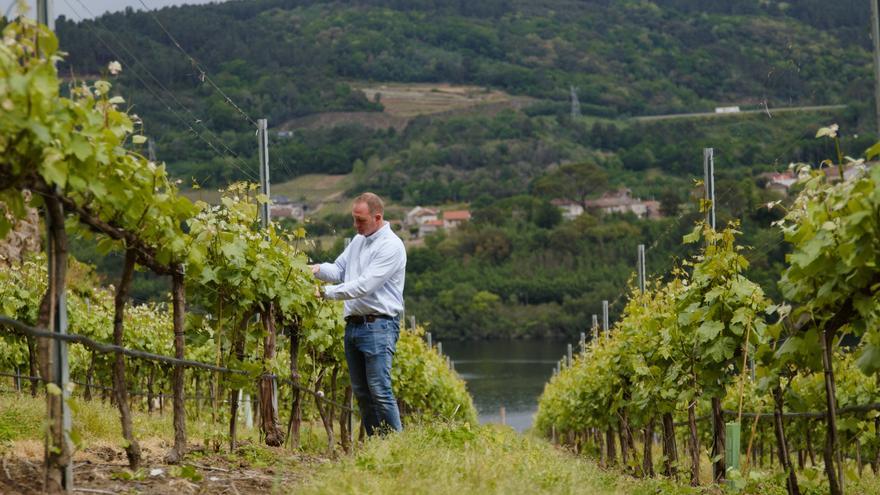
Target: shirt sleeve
[
  {"x": 334, "y": 272},
  {"x": 386, "y": 263}
]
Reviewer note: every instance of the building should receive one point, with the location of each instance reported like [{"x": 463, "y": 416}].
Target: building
[
  {"x": 452, "y": 219},
  {"x": 430, "y": 227},
  {"x": 419, "y": 215},
  {"x": 621, "y": 201},
  {"x": 283, "y": 207},
  {"x": 731, "y": 109},
  {"x": 781, "y": 182},
  {"x": 570, "y": 209}
]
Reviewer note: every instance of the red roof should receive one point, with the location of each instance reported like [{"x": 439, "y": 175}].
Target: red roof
[
  {"x": 457, "y": 215},
  {"x": 434, "y": 223}
]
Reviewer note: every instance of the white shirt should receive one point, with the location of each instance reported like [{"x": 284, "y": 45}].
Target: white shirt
[{"x": 369, "y": 275}]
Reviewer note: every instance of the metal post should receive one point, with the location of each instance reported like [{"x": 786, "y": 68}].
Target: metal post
[
  {"x": 412, "y": 322},
  {"x": 709, "y": 179},
  {"x": 351, "y": 420},
  {"x": 583, "y": 342},
  {"x": 642, "y": 268},
  {"x": 247, "y": 409},
  {"x": 263, "y": 138},
  {"x": 875, "y": 35},
  {"x": 503, "y": 416},
  {"x": 440, "y": 348},
  {"x": 45, "y": 13},
  {"x": 428, "y": 337},
  {"x": 568, "y": 355},
  {"x": 59, "y": 359},
  {"x": 595, "y": 328},
  {"x": 605, "y": 318}
]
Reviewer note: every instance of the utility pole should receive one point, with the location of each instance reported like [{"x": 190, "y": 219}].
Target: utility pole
[
  {"x": 709, "y": 182},
  {"x": 575, "y": 104},
  {"x": 45, "y": 11},
  {"x": 875, "y": 37}
]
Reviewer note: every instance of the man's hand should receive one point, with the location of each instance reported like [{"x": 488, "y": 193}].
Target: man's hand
[
  {"x": 315, "y": 269},
  {"x": 319, "y": 291}
]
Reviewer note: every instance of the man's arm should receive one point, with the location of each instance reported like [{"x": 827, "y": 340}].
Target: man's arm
[
  {"x": 382, "y": 268},
  {"x": 332, "y": 272}
]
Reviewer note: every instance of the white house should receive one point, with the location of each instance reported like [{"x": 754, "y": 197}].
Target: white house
[{"x": 419, "y": 215}]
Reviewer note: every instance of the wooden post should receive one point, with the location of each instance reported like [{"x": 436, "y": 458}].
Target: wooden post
[{"x": 178, "y": 292}]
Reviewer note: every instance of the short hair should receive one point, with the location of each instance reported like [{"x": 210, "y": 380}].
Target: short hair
[{"x": 373, "y": 202}]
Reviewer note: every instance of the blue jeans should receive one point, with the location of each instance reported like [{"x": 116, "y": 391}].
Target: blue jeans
[{"x": 369, "y": 349}]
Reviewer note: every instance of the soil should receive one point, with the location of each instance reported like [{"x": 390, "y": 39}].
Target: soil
[{"x": 104, "y": 469}]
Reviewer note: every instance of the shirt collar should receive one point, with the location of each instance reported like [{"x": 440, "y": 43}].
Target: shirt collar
[{"x": 379, "y": 233}]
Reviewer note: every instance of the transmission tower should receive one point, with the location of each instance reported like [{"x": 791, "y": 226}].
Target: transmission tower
[{"x": 575, "y": 104}]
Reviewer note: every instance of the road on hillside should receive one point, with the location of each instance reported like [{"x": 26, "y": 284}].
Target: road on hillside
[{"x": 768, "y": 111}]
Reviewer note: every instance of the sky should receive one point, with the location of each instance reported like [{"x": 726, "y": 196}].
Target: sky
[{"x": 73, "y": 9}]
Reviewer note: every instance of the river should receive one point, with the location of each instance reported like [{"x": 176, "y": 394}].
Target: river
[{"x": 505, "y": 373}]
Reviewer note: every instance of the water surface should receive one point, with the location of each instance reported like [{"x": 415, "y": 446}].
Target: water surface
[{"x": 505, "y": 373}]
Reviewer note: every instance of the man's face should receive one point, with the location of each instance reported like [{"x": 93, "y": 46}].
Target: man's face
[{"x": 364, "y": 222}]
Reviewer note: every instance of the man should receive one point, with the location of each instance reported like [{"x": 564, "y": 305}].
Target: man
[{"x": 369, "y": 277}]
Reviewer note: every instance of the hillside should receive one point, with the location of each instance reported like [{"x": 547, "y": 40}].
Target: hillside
[
  {"x": 288, "y": 60},
  {"x": 445, "y": 102}
]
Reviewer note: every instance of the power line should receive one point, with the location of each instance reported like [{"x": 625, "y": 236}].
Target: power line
[
  {"x": 203, "y": 74},
  {"x": 184, "y": 121}
]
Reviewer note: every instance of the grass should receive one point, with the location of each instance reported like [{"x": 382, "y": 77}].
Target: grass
[
  {"x": 97, "y": 425},
  {"x": 461, "y": 459},
  {"x": 437, "y": 458}
]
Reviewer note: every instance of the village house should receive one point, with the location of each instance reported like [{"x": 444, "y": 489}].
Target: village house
[
  {"x": 621, "y": 201},
  {"x": 781, "y": 182},
  {"x": 283, "y": 207},
  {"x": 430, "y": 227},
  {"x": 570, "y": 209},
  {"x": 419, "y": 215},
  {"x": 452, "y": 219}
]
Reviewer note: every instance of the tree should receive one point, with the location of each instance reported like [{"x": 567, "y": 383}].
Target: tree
[{"x": 572, "y": 181}]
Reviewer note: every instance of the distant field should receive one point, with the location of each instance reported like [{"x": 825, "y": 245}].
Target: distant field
[
  {"x": 317, "y": 190},
  {"x": 404, "y": 101},
  {"x": 410, "y": 100}
]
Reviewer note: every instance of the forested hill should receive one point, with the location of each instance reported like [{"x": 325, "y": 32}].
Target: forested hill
[
  {"x": 282, "y": 59},
  {"x": 627, "y": 57}
]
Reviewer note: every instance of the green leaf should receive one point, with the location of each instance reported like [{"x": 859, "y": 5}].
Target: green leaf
[
  {"x": 80, "y": 148},
  {"x": 709, "y": 330},
  {"x": 55, "y": 172},
  {"x": 873, "y": 151}
]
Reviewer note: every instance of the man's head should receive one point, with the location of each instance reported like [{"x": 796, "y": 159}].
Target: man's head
[{"x": 367, "y": 211}]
